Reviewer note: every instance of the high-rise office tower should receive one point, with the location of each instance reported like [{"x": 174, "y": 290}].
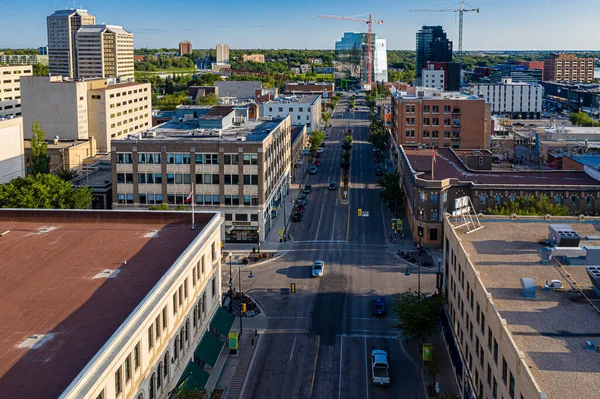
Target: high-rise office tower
[
  {"x": 104, "y": 51},
  {"x": 62, "y": 28},
  {"x": 222, "y": 53},
  {"x": 432, "y": 46}
]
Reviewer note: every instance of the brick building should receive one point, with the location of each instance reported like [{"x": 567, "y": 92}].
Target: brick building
[
  {"x": 432, "y": 118},
  {"x": 560, "y": 67},
  {"x": 459, "y": 173}
]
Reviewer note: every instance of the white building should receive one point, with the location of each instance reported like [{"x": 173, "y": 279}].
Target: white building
[
  {"x": 143, "y": 289},
  {"x": 222, "y": 53},
  {"x": 380, "y": 67},
  {"x": 10, "y": 88},
  {"x": 304, "y": 110},
  {"x": 517, "y": 99},
  {"x": 12, "y": 160},
  {"x": 432, "y": 78}
]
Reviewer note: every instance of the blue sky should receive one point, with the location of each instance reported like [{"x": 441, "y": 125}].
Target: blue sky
[{"x": 502, "y": 24}]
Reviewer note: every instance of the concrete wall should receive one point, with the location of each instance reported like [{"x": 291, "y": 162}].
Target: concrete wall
[
  {"x": 12, "y": 159},
  {"x": 60, "y": 107}
]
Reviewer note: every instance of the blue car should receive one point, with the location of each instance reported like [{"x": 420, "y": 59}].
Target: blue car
[{"x": 378, "y": 306}]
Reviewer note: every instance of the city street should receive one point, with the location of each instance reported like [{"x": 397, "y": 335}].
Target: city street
[{"x": 318, "y": 340}]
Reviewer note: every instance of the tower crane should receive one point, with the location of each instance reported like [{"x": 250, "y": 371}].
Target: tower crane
[
  {"x": 369, "y": 23},
  {"x": 460, "y": 12}
]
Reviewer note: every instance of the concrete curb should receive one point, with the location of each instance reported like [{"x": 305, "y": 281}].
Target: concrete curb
[{"x": 414, "y": 363}]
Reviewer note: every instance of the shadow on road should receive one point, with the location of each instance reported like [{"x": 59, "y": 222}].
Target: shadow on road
[{"x": 297, "y": 272}]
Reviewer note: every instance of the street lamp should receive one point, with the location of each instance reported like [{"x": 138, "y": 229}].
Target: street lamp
[
  {"x": 230, "y": 281},
  {"x": 420, "y": 247},
  {"x": 258, "y": 232}
]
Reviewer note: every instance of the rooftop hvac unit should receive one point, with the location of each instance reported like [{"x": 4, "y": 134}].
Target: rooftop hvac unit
[
  {"x": 563, "y": 235},
  {"x": 241, "y": 138},
  {"x": 594, "y": 275},
  {"x": 527, "y": 288}
]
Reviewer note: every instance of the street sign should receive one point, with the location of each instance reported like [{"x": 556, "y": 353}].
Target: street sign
[
  {"x": 439, "y": 281},
  {"x": 233, "y": 340},
  {"x": 360, "y": 212},
  {"x": 365, "y": 214},
  {"x": 399, "y": 225},
  {"x": 427, "y": 352}
]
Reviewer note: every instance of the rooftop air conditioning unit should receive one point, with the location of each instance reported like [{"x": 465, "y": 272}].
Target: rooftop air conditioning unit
[
  {"x": 241, "y": 138},
  {"x": 563, "y": 235}
]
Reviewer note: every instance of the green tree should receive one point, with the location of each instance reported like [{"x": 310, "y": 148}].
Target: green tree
[
  {"x": 66, "y": 174},
  {"x": 40, "y": 70},
  {"x": 315, "y": 140},
  {"x": 582, "y": 119},
  {"x": 44, "y": 191},
  {"x": 39, "y": 162},
  {"x": 417, "y": 316},
  {"x": 530, "y": 206},
  {"x": 209, "y": 99},
  {"x": 326, "y": 117},
  {"x": 161, "y": 207},
  {"x": 392, "y": 190}
]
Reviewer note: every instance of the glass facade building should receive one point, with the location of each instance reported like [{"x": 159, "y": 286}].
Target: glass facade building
[{"x": 351, "y": 58}]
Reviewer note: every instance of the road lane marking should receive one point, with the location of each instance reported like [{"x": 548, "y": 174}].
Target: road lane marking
[
  {"x": 340, "y": 382},
  {"x": 348, "y": 225},
  {"x": 312, "y": 385},
  {"x": 319, "y": 224},
  {"x": 333, "y": 228},
  {"x": 286, "y": 331},
  {"x": 320, "y": 241},
  {"x": 293, "y": 317},
  {"x": 367, "y": 367},
  {"x": 385, "y": 236},
  {"x": 293, "y": 346},
  {"x": 363, "y": 237},
  {"x": 365, "y": 336}
]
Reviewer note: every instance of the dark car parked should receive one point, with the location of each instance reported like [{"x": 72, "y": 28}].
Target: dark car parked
[
  {"x": 307, "y": 189},
  {"x": 298, "y": 216}
]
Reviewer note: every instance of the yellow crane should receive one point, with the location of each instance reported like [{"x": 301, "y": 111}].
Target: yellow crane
[{"x": 460, "y": 12}]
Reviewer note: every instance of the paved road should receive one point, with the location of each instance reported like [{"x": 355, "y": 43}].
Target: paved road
[{"x": 318, "y": 340}]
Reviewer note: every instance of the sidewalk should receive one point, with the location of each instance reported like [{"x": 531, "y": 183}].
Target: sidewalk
[
  {"x": 234, "y": 369},
  {"x": 445, "y": 371}
]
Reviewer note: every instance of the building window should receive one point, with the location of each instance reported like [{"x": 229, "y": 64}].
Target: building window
[
  {"x": 127, "y": 368},
  {"x": 495, "y": 351},
  {"x": 118, "y": 382},
  {"x": 213, "y": 287},
  {"x": 558, "y": 199},
  {"x": 498, "y": 199},
  {"x": 483, "y": 198},
  {"x": 136, "y": 356},
  {"x": 150, "y": 338},
  {"x": 511, "y": 386},
  {"x": 504, "y": 371}
]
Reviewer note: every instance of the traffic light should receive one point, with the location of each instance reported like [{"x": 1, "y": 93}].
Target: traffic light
[
  {"x": 420, "y": 231},
  {"x": 359, "y": 212},
  {"x": 393, "y": 226},
  {"x": 243, "y": 308},
  {"x": 293, "y": 288}
]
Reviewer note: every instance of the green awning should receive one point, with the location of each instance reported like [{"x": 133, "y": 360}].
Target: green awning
[
  {"x": 209, "y": 348},
  {"x": 193, "y": 377},
  {"x": 222, "y": 321}
]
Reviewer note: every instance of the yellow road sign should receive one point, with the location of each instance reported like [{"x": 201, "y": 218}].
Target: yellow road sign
[{"x": 359, "y": 212}]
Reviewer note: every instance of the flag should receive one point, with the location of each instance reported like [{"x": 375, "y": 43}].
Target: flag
[
  {"x": 188, "y": 199},
  {"x": 433, "y": 157}
]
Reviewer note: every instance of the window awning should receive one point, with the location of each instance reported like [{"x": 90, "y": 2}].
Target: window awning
[
  {"x": 222, "y": 321},
  {"x": 209, "y": 348},
  {"x": 193, "y": 377}
]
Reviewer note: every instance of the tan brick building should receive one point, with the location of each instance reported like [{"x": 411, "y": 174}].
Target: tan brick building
[
  {"x": 10, "y": 88},
  {"x": 259, "y": 58},
  {"x": 508, "y": 345},
  {"x": 560, "y": 67},
  {"x": 432, "y": 118},
  {"x": 241, "y": 169},
  {"x": 185, "y": 47}
]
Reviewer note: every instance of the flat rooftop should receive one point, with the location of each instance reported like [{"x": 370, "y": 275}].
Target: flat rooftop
[
  {"x": 435, "y": 94},
  {"x": 53, "y": 286},
  {"x": 552, "y": 328},
  {"x": 252, "y": 130},
  {"x": 300, "y": 99},
  {"x": 449, "y": 166},
  {"x": 60, "y": 145}
]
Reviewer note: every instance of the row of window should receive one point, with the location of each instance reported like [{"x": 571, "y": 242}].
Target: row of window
[
  {"x": 124, "y": 93},
  {"x": 180, "y": 199},
  {"x": 435, "y": 109},
  {"x": 558, "y": 199},
  {"x": 184, "y": 178},
  {"x": 241, "y": 217},
  {"x": 290, "y": 109},
  {"x": 185, "y": 158},
  {"x": 473, "y": 335}
]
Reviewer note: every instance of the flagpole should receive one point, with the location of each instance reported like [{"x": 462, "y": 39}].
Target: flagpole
[
  {"x": 432, "y": 165},
  {"x": 193, "y": 200}
]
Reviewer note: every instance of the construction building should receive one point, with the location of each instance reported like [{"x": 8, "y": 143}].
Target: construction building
[
  {"x": 424, "y": 117},
  {"x": 303, "y": 110},
  {"x": 351, "y": 58},
  {"x": 231, "y": 164},
  {"x": 515, "y": 99},
  {"x": 185, "y": 47},
  {"x": 78, "y": 110},
  {"x": 521, "y": 315},
  {"x": 131, "y": 313},
  {"x": 433, "y": 179},
  {"x": 561, "y": 67},
  {"x": 62, "y": 49},
  {"x": 12, "y": 159},
  {"x": 10, "y": 88},
  {"x": 104, "y": 51}
]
